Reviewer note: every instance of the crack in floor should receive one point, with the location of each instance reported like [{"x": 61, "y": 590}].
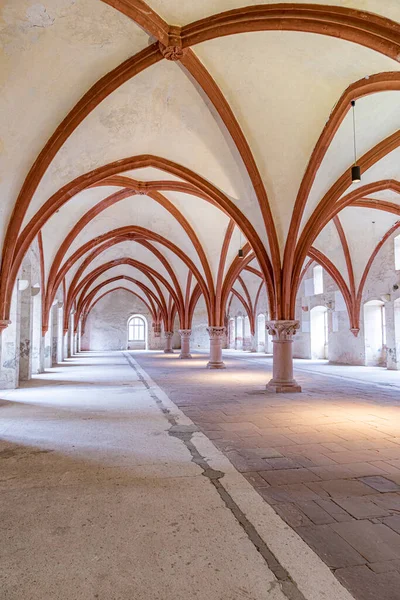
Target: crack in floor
[{"x": 185, "y": 434}]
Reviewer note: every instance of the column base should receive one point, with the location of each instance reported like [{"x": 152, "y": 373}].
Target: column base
[
  {"x": 187, "y": 355},
  {"x": 283, "y": 387},
  {"x": 168, "y": 351},
  {"x": 216, "y": 365}
]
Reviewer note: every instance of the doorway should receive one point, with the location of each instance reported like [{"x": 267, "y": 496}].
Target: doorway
[
  {"x": 375, "y": 333},
  {"x": 319, "y": 332}
]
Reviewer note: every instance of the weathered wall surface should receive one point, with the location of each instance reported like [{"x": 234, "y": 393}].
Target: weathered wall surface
[
  {"x": 106, "y": 326},
  {"x": 239, "y": 334},
  {"x": 343, "y": 346},
  {"x": 200, "y": 339},
  {"x": 20, "y": 344}
]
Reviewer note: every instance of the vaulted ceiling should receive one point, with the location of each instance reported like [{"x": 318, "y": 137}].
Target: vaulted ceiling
[{"x": 147, "y": 142}]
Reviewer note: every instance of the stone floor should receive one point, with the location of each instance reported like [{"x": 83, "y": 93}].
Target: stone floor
[
  {"x": 109, "y": 492},
  {"x": 326, "y": 460}
]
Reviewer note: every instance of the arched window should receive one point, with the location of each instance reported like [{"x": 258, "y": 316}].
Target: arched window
[{"x": 136, "y": 329}]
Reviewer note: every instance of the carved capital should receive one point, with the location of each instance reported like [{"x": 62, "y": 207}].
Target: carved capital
[
  {"x": 216, "y": 332},
  {"x": 168, "y": 334},
  {"x": 4, "y": 323},
  {"x": 355, "y": 331},
  {"x": 282, "y": 331},
  {"x": 186, "y": 333},
  {"x": 173, "y": 49}
]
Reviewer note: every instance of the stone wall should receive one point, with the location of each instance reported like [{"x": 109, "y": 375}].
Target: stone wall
[
  {"x": 20, "y": 343},
  {"x": 200, "y": 339},
  {"x": 343, "y": 346},
  {"x": 107, "y": 323}
]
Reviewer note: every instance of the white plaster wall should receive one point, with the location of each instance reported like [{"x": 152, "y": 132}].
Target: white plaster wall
[
  {"x": 343, "y": 346},
  {"x": 200, "y": 339},
  {"x": 106, "y": 326}
]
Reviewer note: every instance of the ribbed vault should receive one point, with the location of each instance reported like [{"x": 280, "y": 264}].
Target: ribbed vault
[{"x": 162, "y": 156}]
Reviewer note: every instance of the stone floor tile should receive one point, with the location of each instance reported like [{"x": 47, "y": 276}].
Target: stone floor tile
[
  {"x": 266, "y": 453},
  {"x": 303, "y": 461},
  {"x": 386, "y": 467},
  {"x": 364, "y": 469},
  {"x": 361, "y": 507},
  {"x": 351, "y": 457},
  {"x": 362, "y": 417},
  {"x": 316, "y": 513},
  {"x": 245, "y": 465},
  {"x": 393, "y": 522},
  {"x": 238, "y": 427},
  {"x": 338, "y": 513},
  {"x": 364, "y": 584},
  {"x": 283, "y": 463},
  {"x": 288, "y": 476},
  {"x": 334, "y": 447},
  {"x": 275, "y": 440},
  {"x": 292, "y": 514},
  {"x": 330, "y": 472},
  {"x": 330, "y": 546},
  {"x": 293, "y": 493},
  {"x": 393, "y": 462},
  {"x": 385, "y": 567},
  {"x": 342, "y": 488},
  {"x": 391, "y": 455},
  {"x": 381, "y": 484},
  {"x": 318, "y": 437},
  {"x": 255, "y": 479},
  {"x": 369, "y": 444},
  {"x": 390, "y": 501},
  {"x": 376, "y": 542}
]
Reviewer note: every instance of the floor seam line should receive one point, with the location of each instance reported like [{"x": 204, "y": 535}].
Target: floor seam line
[{"x": 288, "y": 586}]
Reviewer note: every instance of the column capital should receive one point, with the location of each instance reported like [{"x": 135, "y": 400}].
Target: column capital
[
  {"x": 282, "y": 331},
  {"x": 216, "y": 332},
  {"x": 4, "y": 323},
  {"x": 185, "y": 332},
  {"x": 168, "y": 334}
]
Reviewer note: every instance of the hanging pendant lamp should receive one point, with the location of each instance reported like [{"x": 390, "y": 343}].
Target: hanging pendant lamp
[
  {"x": 355, "y": 169},
  {"x": 240, "y": 251}
]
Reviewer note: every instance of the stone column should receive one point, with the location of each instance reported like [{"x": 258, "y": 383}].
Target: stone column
[
  {"x": 217, "y": 335},
  {"x": 168, "y": 342},
  {"x": 282, "y": 338},
  {"x": 185, "y": 343}
]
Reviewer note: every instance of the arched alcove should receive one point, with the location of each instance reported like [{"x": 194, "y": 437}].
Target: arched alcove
[
  {"x": 232, "y": 333},
  {"x": 261, "y": 334},
  {"x": 375, "y": 333},
  {"x": 239, "y": 333},
  {"x": 319, "y": 332},
  {"x": 397, "y": 331}
]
